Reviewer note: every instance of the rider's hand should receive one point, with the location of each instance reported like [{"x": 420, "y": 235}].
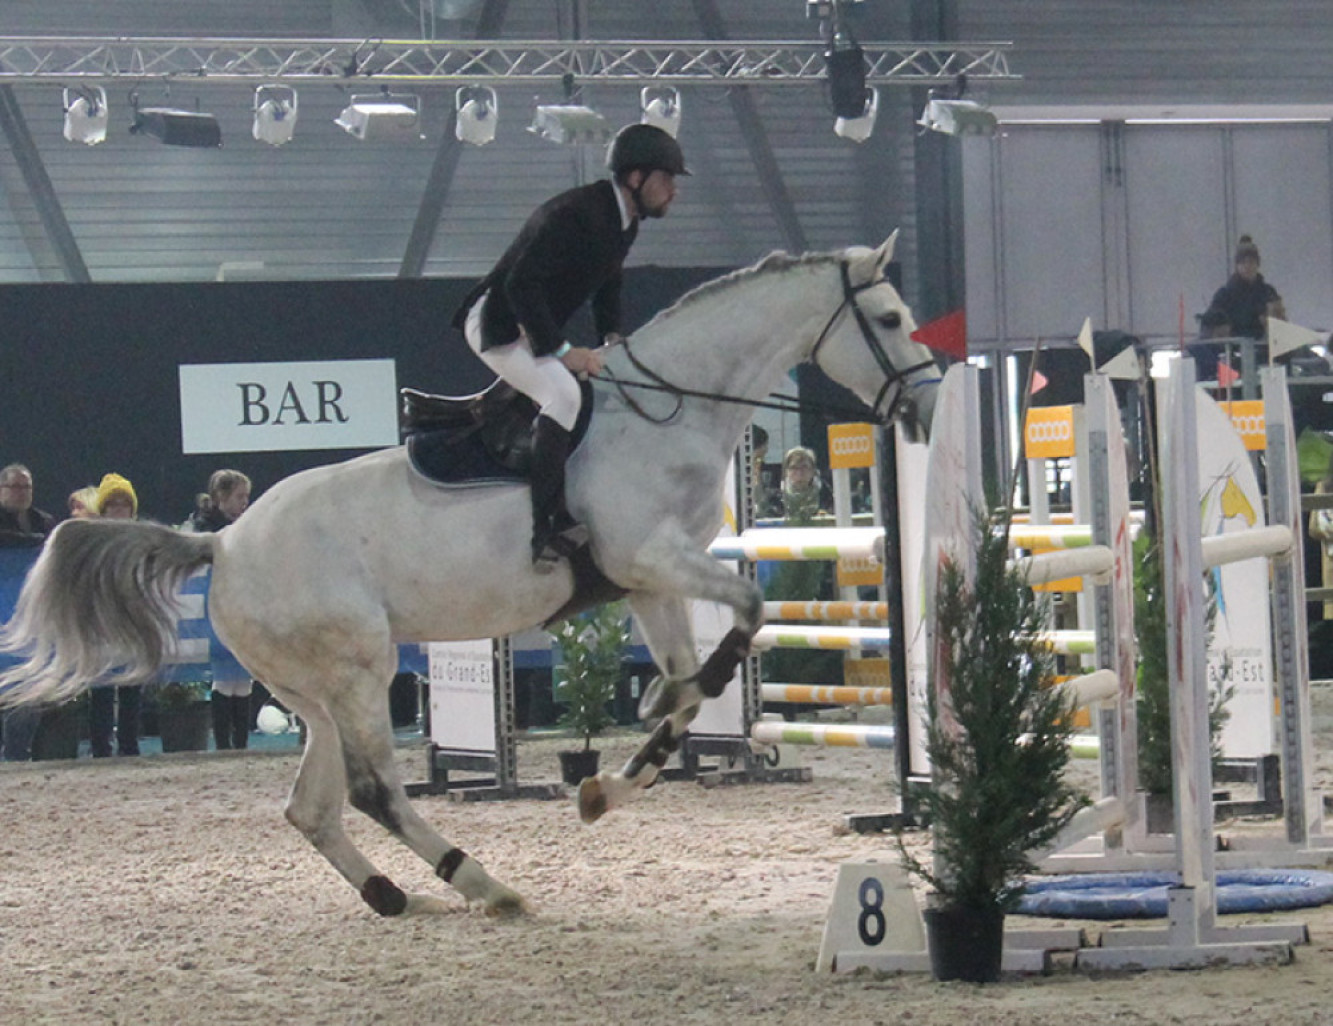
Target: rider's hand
[{"x": 583, "y": 361}]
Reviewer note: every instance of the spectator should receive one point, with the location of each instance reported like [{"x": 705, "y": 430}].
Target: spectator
[
  {"x": 82, "y": 503},
  {"x": 116, "y": 500},
  {"x": 1321, "y": 529},
  {"x": 22, "y": 525},
  {"x": 803, "y": 495},
  {"x": 1240, "y": 309},
  {"x": 227, "y": 498}
]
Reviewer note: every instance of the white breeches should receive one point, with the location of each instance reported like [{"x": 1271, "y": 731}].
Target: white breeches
[{"x": 544, "y": 379}]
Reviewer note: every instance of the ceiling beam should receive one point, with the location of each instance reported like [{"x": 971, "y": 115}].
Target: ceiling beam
[
  {"x": 441, "y": 178},
  {"x": 42, "y": 192},
  {"x": 752, "y": 131},
  {"x": 717, "y": 62}
]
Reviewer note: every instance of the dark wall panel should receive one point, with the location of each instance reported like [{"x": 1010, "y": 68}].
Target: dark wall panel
[{"x": 90, "y": 371}]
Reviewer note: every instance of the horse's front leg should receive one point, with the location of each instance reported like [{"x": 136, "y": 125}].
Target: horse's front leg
[{"x": 676, "y": 695}]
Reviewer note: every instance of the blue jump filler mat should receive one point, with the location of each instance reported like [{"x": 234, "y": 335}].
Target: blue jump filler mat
[{"x": 1144, "y": 895}]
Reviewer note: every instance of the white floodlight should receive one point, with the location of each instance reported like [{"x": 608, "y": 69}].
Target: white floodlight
[
  {"x": 958, "y": 117},
  {"x": 380, "y": 116},
  {"x": 86, "y": 115},
  {"x": 660, "y": 106},
  {"x": 478, "y": 112},
  {"x": 569, "y": 123},
  {"x": 859, "y": 129},
  {"x": 175, "y": 126},
  {"x": 275, "y": 114}
]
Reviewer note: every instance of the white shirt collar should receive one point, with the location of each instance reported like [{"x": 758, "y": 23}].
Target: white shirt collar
[{"x": 626, "y": 218}]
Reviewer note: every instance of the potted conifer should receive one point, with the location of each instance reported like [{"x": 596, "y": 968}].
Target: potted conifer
[
  {"x": 183, "y": 715},
  {"x": 593, "y": 645},
  {"x": 998, "y": 747}
]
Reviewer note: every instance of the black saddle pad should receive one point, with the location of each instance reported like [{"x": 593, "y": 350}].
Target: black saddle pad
[{"x": 498, "y": 449}]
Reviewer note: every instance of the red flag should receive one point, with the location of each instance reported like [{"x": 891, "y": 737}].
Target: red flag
[
  {"x": 948, "y": 334},
  {"x": 1039, "y": 381},
  {"x": 1225, "y": 375}
]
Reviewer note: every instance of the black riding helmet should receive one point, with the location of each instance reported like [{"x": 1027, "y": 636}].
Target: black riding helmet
[{"x": 645, "y": 148}]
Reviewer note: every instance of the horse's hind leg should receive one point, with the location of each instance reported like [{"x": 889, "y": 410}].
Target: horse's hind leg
[{"x": 349, "y": 751}]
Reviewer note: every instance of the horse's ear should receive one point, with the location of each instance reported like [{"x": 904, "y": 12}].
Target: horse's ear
[
  {"x": 869, "y": 264},
  {"x": 885, "y": 251}
]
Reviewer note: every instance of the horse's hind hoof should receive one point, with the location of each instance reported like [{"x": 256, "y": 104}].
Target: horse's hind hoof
[
  {"x": 658, "y": 699},
  {"x": 592, "y": 801}
]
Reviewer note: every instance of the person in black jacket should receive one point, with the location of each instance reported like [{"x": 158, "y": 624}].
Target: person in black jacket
[
  {"x": 22, "y": 524},
  {"x": 569, "y": 252}
]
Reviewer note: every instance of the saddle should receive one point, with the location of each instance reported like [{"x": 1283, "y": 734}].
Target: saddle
[{"x": 475, "y": 439}]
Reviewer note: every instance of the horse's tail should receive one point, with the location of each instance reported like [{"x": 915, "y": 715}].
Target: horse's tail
[{"x": 98, "y": 605}]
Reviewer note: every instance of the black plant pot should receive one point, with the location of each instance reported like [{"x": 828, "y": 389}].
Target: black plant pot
[
  {"x": 965, "y": 943},
  {"x": 576, "y": 765},
  {"x": 185, "y": 729}
]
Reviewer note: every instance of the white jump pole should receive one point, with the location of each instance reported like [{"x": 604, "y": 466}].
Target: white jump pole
[
  {"x": 826, "y": 694},
  {"x": 801, "y": 636}
]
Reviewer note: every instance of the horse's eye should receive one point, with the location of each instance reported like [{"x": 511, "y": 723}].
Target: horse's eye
[{"x": 892, "y": 319}]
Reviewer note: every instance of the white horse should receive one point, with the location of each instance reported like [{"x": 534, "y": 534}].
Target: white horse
[{"x": 313, "y": 588}]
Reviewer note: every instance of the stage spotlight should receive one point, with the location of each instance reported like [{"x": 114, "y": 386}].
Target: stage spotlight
[
  {"x": 86, "y": 115},
  {"x": 569, "y": 123},
  {"x": 846, "y": 65},
  {"x": 859, "y": 129},
  {"x": 958, "y": 117},
  {"x": 275, "y": 114},
  {"x": 660, "y": 106},
  {"x": 383, "y": 115},
  {"x": 175, "y": 127},
  {"x": 478, "y": 112}
]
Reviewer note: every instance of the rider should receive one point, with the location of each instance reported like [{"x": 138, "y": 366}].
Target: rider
[{"x": 570, "y": 251}]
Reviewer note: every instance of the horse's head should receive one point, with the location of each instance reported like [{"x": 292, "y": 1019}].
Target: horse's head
[{"x": 868, "y": 347}]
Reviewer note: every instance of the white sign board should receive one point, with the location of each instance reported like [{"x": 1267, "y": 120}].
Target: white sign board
[
  {"x": 1240, "y": 648},
  {"x": 723, "y": 716},
  {"x": 272, "y": 407},
  {"x": 462, "y": 696}
]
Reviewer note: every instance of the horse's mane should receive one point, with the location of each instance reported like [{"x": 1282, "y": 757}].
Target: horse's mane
[{"x": 778, "y": 260}]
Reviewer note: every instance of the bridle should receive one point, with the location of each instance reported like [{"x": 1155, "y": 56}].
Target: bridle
[{"x": 892, "y": 376}]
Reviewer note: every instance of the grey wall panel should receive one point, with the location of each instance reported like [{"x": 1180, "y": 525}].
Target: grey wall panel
[
  {"x": 165, "y": 18},
  {"x": 984, "y": 284},
  {"x": 1282, "y": 200},
  {"x": 1176, "y": 200},
  {"x": 1218, "y": 51},
  {"x": 1052, "y": 245}
]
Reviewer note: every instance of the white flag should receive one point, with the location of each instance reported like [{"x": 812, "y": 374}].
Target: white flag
[
  {"x": 1283, "y": 337},
  {"x": 1085, "y": 339},
  {"x": 1124, "y": 366}
]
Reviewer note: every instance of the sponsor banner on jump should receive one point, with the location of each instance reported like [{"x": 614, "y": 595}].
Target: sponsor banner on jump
[
  {"x": 851, "y": 445},
  {"x": 1247, "y": 417},
  {"x": 1049, "y": 433},
  {"x": 270, "y": 407}
]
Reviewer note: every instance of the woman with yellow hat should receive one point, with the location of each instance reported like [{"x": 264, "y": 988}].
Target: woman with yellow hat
[{"x": 116, "y": 498}]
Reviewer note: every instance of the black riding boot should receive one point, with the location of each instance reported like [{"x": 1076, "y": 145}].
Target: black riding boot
[{"x": 554, "y": 532}]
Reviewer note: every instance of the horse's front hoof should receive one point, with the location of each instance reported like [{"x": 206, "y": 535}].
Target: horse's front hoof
[
  {"x": 658, "y": 699},
  {"x": 503, "y": 903},
  {"x": 592, "y": 800}
]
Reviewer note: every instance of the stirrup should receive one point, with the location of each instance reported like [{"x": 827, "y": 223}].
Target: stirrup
[{"x": 547, "y": 553}]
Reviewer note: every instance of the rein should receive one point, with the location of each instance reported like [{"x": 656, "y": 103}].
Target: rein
[{"x": 784, "y": 403}]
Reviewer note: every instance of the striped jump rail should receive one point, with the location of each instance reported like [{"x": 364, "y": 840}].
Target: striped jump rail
[
  {"x": 835, "y": 610},
  {"x": 825, "y": 694},
  {"x": 803, "y": 543},
  {"x": 826, "y": 735},
  {"x": 799, "y": 636}
]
